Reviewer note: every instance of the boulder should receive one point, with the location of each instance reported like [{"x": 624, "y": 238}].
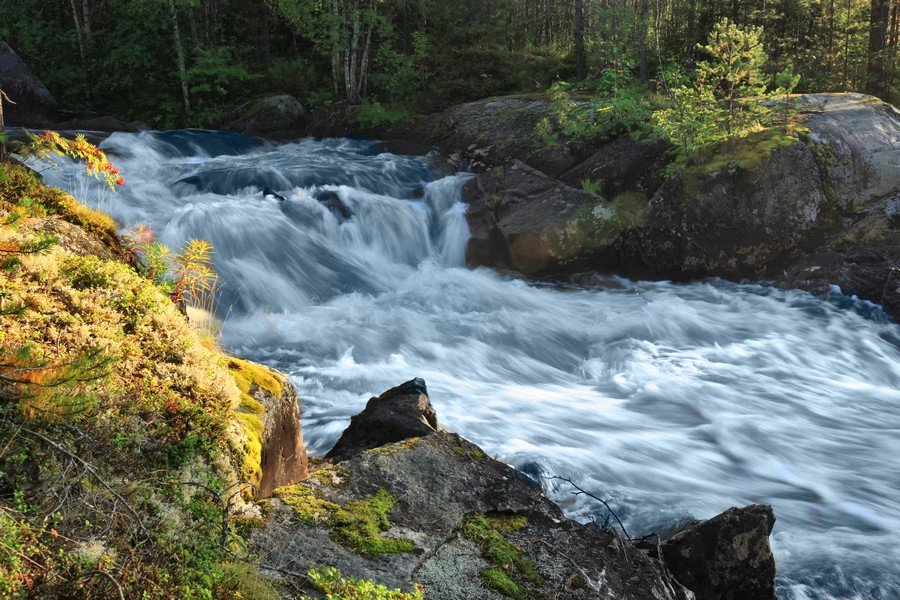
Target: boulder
[
  {"x": 727, "y": 557},
  {"x": 523, "y": 219},
  {"x": 398, "y": 414},
  {"x": 284, "y": 459},
  {"x": 435, "y": 510},
  {"x": 277, "y": 116},
  {"x": 34, "y": 105}
]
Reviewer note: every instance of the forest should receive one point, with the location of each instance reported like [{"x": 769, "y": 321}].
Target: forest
[{"x": 175, "y": 63}]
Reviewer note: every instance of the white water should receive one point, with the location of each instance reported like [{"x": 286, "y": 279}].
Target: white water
[{"x": 672, "y": 401}]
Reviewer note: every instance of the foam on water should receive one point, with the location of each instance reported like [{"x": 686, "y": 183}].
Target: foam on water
[{"x": 672, "y": 401}]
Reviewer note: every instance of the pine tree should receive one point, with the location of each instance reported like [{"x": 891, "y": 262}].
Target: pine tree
[{"x": 734, "y": 74}]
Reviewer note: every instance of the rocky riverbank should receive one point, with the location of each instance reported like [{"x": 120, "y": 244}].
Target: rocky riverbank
[
  {"x": 813, "y": 210},
  {"x": 404, "y": 502}
]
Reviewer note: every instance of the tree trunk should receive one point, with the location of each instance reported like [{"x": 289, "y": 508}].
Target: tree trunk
[
  {"x": 78, "y": 32},
  {"x": 580, "y": 61},
  {"x": 643, "y": 25},
  {"x": 876, "y": 73},
  {"x": 86, "y": 15},
  {"x": 179, "y": 55}
]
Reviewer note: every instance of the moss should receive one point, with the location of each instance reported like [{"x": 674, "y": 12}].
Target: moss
[
  {"x": 507, "y": 562},
  {"x": 499, "y": 581},
  {"x": 241, "y": 581},
  {"x": 329, "y": 475},
  {"x": 359, "y": 524},
  {"x": 21, "y": 188},
  {"x": 391, "y": 449},
  {"x": 329, "y": 581},
  {"x": 747, "y": 153},
  {"x": 250, "y": 412},
  {"x": 578, "y": 582},
  {"x": 307, "y": 507}
]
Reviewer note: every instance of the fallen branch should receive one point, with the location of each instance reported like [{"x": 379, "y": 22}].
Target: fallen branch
[
  {"x": 88, "y": 574},
  {"x": 582, "y": 492}
]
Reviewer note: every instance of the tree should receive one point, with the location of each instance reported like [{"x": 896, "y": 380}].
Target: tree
[
  {"x": 179, "y": 55},
  {"x": 876, "y": 66},
  {"x": 734, "y": 74},
  {"x": 580, "y": 62}
]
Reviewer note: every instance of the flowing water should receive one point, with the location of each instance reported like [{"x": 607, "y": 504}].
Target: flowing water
[{"x": 671, "y": 401}]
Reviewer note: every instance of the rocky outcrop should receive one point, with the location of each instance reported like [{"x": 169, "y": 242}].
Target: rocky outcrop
[
  {"x": 283, "y": 460},
  {"x": 398, "y": 414},
  {"x": 727, "y": 557},
  {"x": 33, "y": 105},
  {"x": 811, "y": 210},
  {"x": 432, "y": 509},
  {"x": 273, "y": 116}
]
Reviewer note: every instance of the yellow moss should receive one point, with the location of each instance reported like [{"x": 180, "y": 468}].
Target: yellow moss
[{"x": 306, "y": 505}]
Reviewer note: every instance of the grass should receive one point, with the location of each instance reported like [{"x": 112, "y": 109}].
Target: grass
[{"x": 509, "y": 569}]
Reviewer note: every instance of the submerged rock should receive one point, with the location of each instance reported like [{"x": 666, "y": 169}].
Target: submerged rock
[
  {"x": 398, "y": 414},
  {"x": 432, "y": 509}
]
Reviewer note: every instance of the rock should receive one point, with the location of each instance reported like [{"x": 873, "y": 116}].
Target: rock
[
  {"x": 34, "y": 105},
  {"x": 452, "y": 519},
  {"x": 727, "y": 557},
  {"x": 523, "y": 219},
  {"x": 398, "y": 414},
  {"x": 284, "y": 458},
  {"x": 278, "y": 116},
  {"x": 624, "y": 164}
]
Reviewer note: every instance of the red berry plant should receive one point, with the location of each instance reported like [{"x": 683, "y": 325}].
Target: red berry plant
[{"x": 51, "y": 143}]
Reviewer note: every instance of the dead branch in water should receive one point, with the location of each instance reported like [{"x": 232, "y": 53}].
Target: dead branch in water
[{"x": 582, "y": 492}]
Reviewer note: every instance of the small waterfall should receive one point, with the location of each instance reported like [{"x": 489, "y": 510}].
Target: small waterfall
[{"x": 672, "y": 401}]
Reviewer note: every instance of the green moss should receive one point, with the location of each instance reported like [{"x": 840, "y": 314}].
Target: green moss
[
  {"x": 359, "y": 524},
  {"x": 247, "y": 374},
  {"x": 748, "y": 153},
  {"x": 391, "y": 449},
  {"x": 499, "y": 581},
  {"x": 329, "y": 581},
  {"x": 306, "y": 505},
  {"x": 505, "y": 559},
  {"x": 329, "y": 475}
]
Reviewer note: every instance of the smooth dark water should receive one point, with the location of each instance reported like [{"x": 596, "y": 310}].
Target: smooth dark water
[{"x": 672, "y": 401}]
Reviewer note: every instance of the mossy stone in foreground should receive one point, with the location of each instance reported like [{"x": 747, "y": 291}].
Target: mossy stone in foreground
[{"x": 506, "y": 560}]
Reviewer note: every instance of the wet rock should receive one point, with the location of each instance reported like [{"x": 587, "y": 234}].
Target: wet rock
[
  {"x": 333, "y": 202},
  {"x": 33, "y": 104},
  {"x": 892, "y": 212},
  {"x": 281, "y": 116},
  {"x": 284, "y": 459},
  {"x": 727, "y": 557},
  {"x": 398, "y": 414}
]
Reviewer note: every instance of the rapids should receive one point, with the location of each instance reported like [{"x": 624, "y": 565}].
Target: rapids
[{"x": 671, "y": 401}]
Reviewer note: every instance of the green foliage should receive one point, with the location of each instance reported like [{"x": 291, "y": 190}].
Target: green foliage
[
  {"x": 508, "y": 563},
  {"x": 734, "y": 75},
  {"x": 212, "y": 77},
  {"x": 622, "y": 107},
  {"x": 372, "y": 114},
  {"x": 329, "y": 581},
  {"x": 592, "y": 186}
]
